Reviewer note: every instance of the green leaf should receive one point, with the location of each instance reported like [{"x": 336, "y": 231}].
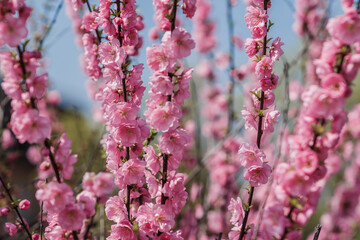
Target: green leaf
[
  {"x": 260, "y": 112},
  {"x": 151, "y": 137},
  {"x": 295, "y": 203},
  {"x": 246, "y": 206},
  {"x": 318, "y": 128},
  {"x": 257, "y": 93},
  {"x": 270, "y": 25},
  {"x": 25, "y": 44}
]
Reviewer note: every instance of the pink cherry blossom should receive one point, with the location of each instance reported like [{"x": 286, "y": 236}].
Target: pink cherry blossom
[
  {"x": 255, "y": 16},
  {"x": 307, "y": 161},
  {"x": 115, "y": 209},
  {"x": 251, "y": 155},
  {"x": 132, "y": 171},
  {"x": 335, "y": 83},
  {"x": 189, "y": 8},
  {"x": 24, "y": 204},
  {"x": 111, "y": 54},
  {"x": 30, "y": 126},
  {"x": 170, "y": 141},
  {"x": 13, "y": 30},
  {"x": 271, "y": 119},
  {"x": 122, "y": 230},
  {"x": 179, "y": 42},
  {"x": 158, "y": 58},
  {"x": 250, "y": 117},
  {"x": 237, "y": 211},
  {"x": 345, "y": 28},
  {"x": 11, "y": 228},
  {"x": 71, "y": 217},
  {"x": 55, "y": 196},
  {"x": 86, "y": 200},
  {"x": 257, "y": 175},
  {"x": 258, "y": 32},
  {"x": 164, "y": 117},
  {"x": 153, "y": 218},
  {"x": 251, "y": 47},
  {"x": 275, "y": 50}
]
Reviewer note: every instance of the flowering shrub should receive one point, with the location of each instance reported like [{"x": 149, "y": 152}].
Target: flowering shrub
[{"x": 191, "y": 155}]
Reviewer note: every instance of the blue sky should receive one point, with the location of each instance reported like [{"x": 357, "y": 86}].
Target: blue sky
[{"x": 63, "y": 54}]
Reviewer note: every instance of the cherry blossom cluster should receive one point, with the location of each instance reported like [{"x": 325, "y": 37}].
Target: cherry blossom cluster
[
  {"x": 318, "y": 128},
  {"x": 308, "y": 17},
  {"x": 30, "y": 122},
  {"x": 12, "y": 228},
  {"x": 25, "y": 87},
  {"x": 262, "y": 116},
  {"x": 204, "y": 27},
  {"x": 341, "y": 221},
  {"x": 141, "y": 191},
  {"x": 169, "y": 87},
  {"x": 13, "y": 18},
  {"x": 67, "y": 214},
  {"x": 214, "y": 100},
  {"x": 163, "y": 14},
  {"x": 120, "y": 91}
]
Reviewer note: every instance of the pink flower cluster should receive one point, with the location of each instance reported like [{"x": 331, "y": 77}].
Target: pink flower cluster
[
  {"x": 319, "y": 127},
  {"x": 26, "y": 88},
  {"x": 13, "y": 19},
  {"x": 252, "y": 158},
  {"x": 10, "y": 227},
  {"x": 344, "y": 209},
  {"x": 163, "y": 14},
  {"x": 30, "y": 122},
  {"x": 261, "y": 116},
  {"x": 204, "y": 27},
  {"x": 65, "y": 213},
  {"x": 61, "y": 150},
  {"x": 308, "y": 17},
  {"x": 213, "y": 111}
]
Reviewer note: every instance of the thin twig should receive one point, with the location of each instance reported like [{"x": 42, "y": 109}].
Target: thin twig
[
  {"x": 47, "y": 144},
  {"x": 91, "y": 223},
  {"x": 41, "y": 220},
  {"x": 230, "y": 100},
  {"x": 75, "y": 236},
  {"x": 15, "y": 207},
  {"x": 53, "y": 21}
]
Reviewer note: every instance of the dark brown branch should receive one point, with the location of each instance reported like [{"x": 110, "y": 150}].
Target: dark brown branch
[
  {"x": 173, "y": 13},
  {"x": 258, "y": 140},
  {"x": 91, "y": 223},
  {"x": 169, "y": 97},
  {"x": 286, "y": 230},
  {"x": 164, "y": 176},
  {"x": 47, "y": 144},
  {"x": 317, "y": 232}
]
